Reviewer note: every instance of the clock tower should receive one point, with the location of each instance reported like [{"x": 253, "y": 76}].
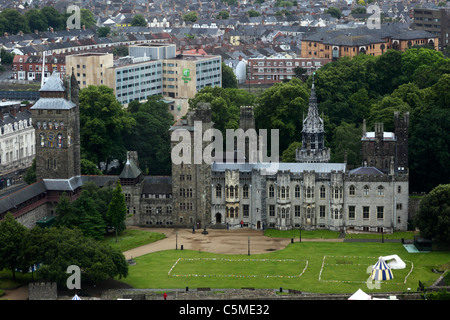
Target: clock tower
[{"x": 56, "y": 121}]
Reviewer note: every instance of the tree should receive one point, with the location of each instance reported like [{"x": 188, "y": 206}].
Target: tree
[
  {"x": 190, "y": 16},
  {"x": 150, "y": 135},
  {"x": 290, "y": 153},
  {"x": 64, "y": 247},
  {"x": 11, "y": 235},
  {"x": 30, "y": 175},
  {"x": 7, "y": 57},
  {"x": 85, "y": 213},
  {"x": 282, "y": 107},
  {"x": 429, "y": 147},
  {"x": 300, "y": 73},
  {"x": 54, "y": 19},
  {"x": 117, "y": 209},
  {"x": 89, "y": 168},
  {"x": 103, "y": 31},
  {"x": 334, "y": 12},
  {"x": 347, "y": 144},
  {"x": 228, "y": 77},
  {"x": 225, "y": 105},
  {"x": 433, "y": 218},
  {"x": 89, "y": 219},
  {"x": 359, "y": 10},
  {"x": 139, "y": 21},
  {"x": 87, "y": 18},
  {"x": 223, "y": 15},
  {"x": 104, "y": 125},
  {"x": 14, "y": 21},
  {"x": 36, "y": 20},
  {"x": 253, "y": 13}
]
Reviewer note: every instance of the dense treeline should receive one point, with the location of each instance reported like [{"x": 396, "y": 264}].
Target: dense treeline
[
  {"x": 349, "y": 91},
  {"x": 13, "y": 22}
]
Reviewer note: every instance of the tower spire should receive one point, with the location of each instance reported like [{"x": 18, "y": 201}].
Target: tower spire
[{"x": 313, "y": 148}]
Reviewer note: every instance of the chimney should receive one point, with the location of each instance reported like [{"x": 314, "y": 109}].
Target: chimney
[{"x": 13, "y": 111}]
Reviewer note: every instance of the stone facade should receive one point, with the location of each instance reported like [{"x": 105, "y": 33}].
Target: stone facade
[
  {"x": 380, "y": 148},
  {"x": 311, "y": 194},
  {"x": 56, "y": 123}
]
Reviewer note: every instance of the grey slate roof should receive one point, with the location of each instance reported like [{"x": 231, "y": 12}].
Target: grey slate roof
[
  {"x": 54, "y": 83},
  {"x": 366, "y": 171},
  {"x": 63, "y": 184},
  {"x": 53, "y": 103},
  {"x": 157, "y": 185},
  {"x": 274, "y": 167},
  {"x": 130, "y": 170}
]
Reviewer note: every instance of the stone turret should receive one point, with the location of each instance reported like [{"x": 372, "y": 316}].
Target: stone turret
[{"x": 313, "y": 144}]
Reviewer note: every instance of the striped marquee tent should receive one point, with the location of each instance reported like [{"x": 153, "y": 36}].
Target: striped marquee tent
[{"x": 381, "y": 271}]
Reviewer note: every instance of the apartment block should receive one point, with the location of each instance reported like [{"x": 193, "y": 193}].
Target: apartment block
[
  {"x": 150, "y": 69},
  {"x": 435, "y": 21}
]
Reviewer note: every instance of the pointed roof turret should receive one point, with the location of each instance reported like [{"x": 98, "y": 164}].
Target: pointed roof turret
[{"x": 313, "y": 123}]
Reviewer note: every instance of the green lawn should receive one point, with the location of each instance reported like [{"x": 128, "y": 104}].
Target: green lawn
[
  {"x": 328, "y": 234},
  {"x": 344, "y": 269},
  {"x": 132, "y": 238}
]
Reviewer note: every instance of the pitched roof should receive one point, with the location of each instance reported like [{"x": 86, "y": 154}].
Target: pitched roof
[{"x": 130, "y": 170}]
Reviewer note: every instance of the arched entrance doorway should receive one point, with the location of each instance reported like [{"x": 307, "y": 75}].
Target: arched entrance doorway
[{"x": 218, "y": 217}]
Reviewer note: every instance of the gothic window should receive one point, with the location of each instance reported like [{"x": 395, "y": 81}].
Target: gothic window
[
  {"x": 231, "y": 192},
  {"x": 169, "y": 210},
  {"x": 283, "y": 193},
  {"x": 352, "y": 190},
  {"x": 336, "y": 213},
  {"x": 297, "y": 191},
  {"x": 336, "y": 193},
  {"x": 366, "y": 190},
  {"x": 148, "y": 210},
  {"x": 322, "y": 192},
  {"x": 271, "y": 191},
  {"x": 283, "y": 213},
  {"x": 245, "y": 192},
  {"x": 287, "y": 192},
  {"x": 236, "y": 192},
  {"x": 218, "y": 191},
  {"x": 399, "y": 189},
  {"x": 380, "y": 191},
  {"x": 308, "y": 192},
  {"x": 231, "y": 212}
]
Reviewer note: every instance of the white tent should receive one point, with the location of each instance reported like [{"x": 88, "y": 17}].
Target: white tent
[
  {"x": 394, "y": 262},
  {"x": 76, "y": 297},
  {"x": 381, "y": 271},
  {"x": 360, "y": 295}
]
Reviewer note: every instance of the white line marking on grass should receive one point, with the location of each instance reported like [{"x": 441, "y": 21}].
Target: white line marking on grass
[{"x": 237, "y": 260}]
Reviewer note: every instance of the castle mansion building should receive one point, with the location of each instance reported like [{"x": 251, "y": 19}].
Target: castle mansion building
[{"x": 311, "y": 193}]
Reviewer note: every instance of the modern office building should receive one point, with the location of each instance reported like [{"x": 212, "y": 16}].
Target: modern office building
[
  {"x": 150, "y": 69},
  {"x": 435, "y": 21}
]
